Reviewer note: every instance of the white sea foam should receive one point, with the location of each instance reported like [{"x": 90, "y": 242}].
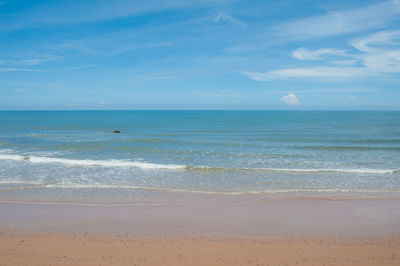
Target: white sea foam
[
  {"x": 193, "y": 191},
  {"x": 103, "y": 163},
  {"x": 360, "y": 171},
  {"x": 147, "y": 165},
  {"x": 69, "y": 185},
  {"x": 6, "y": 150},
  {"x": 301, "y": 170},
  {"x": 18, "y": 182}
]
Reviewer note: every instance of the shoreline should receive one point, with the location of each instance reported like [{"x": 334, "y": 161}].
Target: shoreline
[
  {"x": 212, "y": 198},
  {"x": 126, "y": 197}
]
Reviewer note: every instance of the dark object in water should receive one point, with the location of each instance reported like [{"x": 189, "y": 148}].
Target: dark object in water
[{"x": 116, "y": 131}]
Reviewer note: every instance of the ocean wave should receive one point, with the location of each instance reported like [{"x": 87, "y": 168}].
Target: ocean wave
[
  {"x": 148, "y": 165},
  {"x": 104, "y": 163},
  {"x": 297, "y": 170},
  {"x": 344, "y": 148},
  {"x": 337, "y": 170}
]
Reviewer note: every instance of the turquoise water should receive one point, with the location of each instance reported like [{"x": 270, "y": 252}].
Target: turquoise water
[{"x": 200, "y": 151}]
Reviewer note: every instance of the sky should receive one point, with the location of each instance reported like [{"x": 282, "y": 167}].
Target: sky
[{"x": 187, "y": 54}]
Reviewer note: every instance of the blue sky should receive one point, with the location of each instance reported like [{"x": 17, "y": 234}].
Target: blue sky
[{"x": 208, "y": 54}]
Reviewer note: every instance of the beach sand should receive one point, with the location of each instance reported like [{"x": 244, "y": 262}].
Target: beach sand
[
  {"x": 274, "y": 232},
  {"x": 81, "y": 249}
]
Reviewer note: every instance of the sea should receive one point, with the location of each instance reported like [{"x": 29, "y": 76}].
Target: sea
[{"x": 75, "y": 156}]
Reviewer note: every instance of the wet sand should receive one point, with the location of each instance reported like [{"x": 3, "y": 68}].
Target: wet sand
[{"x": 274, "y": 232}]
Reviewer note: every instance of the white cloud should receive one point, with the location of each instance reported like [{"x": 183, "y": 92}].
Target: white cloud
[
  {"x": 290, "y": 99},
  {"x": 310, "y": 72},
  {"x": 224, "y": 17},
  {"x": 381, "y": 51},
  {"x": 383, "y": 61},
  {"x": 305, "y": 54},
  {"x": 329, "y": 90},
  {"x": 382, "y": 38},
  {"x": 378, "y": 54},
  {"x": 341, "y": 22}
]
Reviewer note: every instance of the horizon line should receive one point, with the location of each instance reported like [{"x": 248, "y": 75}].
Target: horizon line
[{"x": 294, "y": 110}]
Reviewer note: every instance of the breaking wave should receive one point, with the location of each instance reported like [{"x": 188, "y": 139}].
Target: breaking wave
[
  {"x": 103, "y": 163},
  {"x": 149, "y": 165}
]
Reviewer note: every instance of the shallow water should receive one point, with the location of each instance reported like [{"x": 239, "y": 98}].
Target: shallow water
[{"x": 231, "y": 152}]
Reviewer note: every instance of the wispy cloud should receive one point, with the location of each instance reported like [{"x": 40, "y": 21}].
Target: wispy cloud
[
  {"x": 310, "y": 72},
  {"x": 380, "y": 54},
  {"x": 224, "y": 17},
  {"x": 72, "y": 45},
  {"x": 60, "y": 12},
  {"x": 305, "y": 54},
  {"x": 349, "y": 62},
  {"x": 11, "y": 69},
  {"x": 25, "y": 65},
  {"x": 220, "y": 94},
  {"x": 381, "y": 51},
  {"x": 82, "y": 67},
  {"x": 29, "y": 62},
  {"x": 372, "y": 42},
  {"x": 33, "y": 62},
  {"x": 111, "y": 44},
  {"x": 342, "y": 22},
  {"x": 328, "y": 90},
  {"x": 290, "y": 99}
]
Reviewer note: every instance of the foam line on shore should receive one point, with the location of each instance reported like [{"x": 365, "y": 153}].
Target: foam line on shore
[{"x": 178, "y": 190}]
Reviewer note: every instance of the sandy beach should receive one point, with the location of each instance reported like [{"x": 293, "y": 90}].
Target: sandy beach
[
  {"x": 217, "y": 132},
  {"x": 81, "y": 249},
  {"x": 274, "y": 232}
]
